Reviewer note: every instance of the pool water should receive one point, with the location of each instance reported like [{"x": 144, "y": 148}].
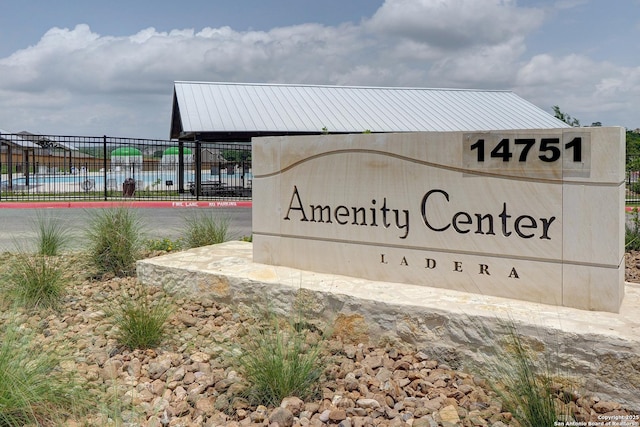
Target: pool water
[{"x": 95, "y": 181}]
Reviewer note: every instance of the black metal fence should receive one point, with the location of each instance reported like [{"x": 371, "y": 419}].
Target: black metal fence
[
  {"x": 53, "y": 167},
  {"x": 633, "y": 180}
]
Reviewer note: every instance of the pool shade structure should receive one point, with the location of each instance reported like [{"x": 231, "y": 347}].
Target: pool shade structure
[
  {"x": 171, "y": 158},
  {"x": 126, "y": 159}
]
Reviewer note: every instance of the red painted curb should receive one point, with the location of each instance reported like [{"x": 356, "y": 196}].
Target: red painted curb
[{"x": 133, "y": 204}]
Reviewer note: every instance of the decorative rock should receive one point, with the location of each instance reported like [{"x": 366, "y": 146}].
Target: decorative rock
[
  {"x": 282, "y": 416},
  {"x": 259, "y": 415},
  {"x": 324, "y": 416},
  {"x": 449, "y": 414},
  {"x": 206, "y": 405},
  {"x": 337, "y": 415},
  {"x": 426, "y": 421},
  {"x": 603, "y": 407},
  {"x": 200, "y": 357},
  {"x": 156, "y": 369},
  {"x": 368, "y": 403},
  {"x": 294, "y": 404},
  {"x": 187, "y": 319}
]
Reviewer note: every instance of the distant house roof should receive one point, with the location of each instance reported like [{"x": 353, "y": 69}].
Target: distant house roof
[
  {"x": 239, "y": 111},
  {"x": 46, "y": 141},
  {"x": 16, "y": 140}
]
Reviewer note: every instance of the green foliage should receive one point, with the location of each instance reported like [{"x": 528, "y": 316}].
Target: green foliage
[
  {"x": 237, "y": 156},
  {"x": 33, "y": 390},
  {"x": 205, "y": 228},
  {"x": 280, "y": 360},
  {"x": 632, "y": 232},
  {"x": 164, "y": 244},
  {"x": 633, "y": 145},
  {"x": 571, "y": 121},
  {"x": 140, "y": 318},
  {"x": 116, "y": 240},
  {"x": 52, "y": 235},
  {"x": 35, "y": 281}
]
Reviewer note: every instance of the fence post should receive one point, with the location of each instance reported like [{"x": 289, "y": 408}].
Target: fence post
[
  {"x": 198, "y": 161},
  {"x": 104, "y": 165},
  {"x": 180, "y": 167}
]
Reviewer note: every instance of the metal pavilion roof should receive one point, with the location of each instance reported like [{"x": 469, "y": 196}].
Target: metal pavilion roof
[{"x": 238, "y": 111}]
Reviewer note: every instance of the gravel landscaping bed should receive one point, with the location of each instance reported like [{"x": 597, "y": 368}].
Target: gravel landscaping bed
[{"x": 192, "y": 378}]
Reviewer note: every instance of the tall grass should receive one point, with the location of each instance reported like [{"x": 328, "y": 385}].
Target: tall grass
[
  {"x": 115, "y": 240},
  {"x": 33, "y": 391},
  {"x": 35, "y": 281},
  {"x": 280, "y": 360},
  {"x": 526, "y": 391},
  {"x": 205, "y": 228},
  {"x": 140, "y": 318},
  {"x": 51, "y": 233}
]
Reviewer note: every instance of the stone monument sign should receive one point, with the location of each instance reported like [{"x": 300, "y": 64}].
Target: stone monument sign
[{"x": 535, "y": 215}]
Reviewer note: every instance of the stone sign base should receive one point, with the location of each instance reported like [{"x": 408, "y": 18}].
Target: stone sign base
[{"x": 601, "y": 351}]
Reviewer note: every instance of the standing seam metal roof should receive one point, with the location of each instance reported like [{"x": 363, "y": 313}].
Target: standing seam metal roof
[{"x": 253, "y": 108}]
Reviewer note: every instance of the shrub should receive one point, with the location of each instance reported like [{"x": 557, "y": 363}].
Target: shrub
[
  {"x": 164, "y": 244},
  {"x": 116, "y": 240},
  {"x": 203, "y": 229},
  {"x": 35, "y": 281},
  {"x": 33, "y": 390},
  {"x": 52, "y": 235},
  {"x": 140, "y": 318},
  {"x": 279, "y": 361}
]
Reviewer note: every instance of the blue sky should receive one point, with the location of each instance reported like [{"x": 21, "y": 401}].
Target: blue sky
[{"x": 96, "y": 67}]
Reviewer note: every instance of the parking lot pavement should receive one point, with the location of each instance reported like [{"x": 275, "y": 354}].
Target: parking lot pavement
[{"x": 159, "y": 219}]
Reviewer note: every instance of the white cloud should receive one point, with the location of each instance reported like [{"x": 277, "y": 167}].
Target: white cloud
[
  {"x": 78, "y": 81},
  {"x": 455, "y": 24}
]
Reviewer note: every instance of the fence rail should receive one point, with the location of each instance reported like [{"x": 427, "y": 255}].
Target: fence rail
[{"x": 54, "y": 167}]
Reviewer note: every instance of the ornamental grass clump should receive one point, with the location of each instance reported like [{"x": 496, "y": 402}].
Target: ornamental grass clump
[
  {"x": 205, "y": 228},
  {"x": 52, "y": 236},
  {"x": 115, "y": 240},
  {"x": 35, "y": 281},
  {"x": 141, "y": 317},
  {"x": 280, "y": 359},
  {"x": 33, "y": 388},
  {"x": 526, "y": 391}
]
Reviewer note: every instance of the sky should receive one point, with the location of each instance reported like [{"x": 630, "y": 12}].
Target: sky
[{"x": 87, "y": 67}]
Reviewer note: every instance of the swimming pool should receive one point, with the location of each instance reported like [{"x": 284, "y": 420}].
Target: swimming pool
[{"x": 95, "y": 181}]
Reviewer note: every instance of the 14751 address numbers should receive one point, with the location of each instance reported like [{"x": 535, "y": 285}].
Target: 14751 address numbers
[
  {"x": 548, "y": 149},
  {"x": 535, "y": 154}
]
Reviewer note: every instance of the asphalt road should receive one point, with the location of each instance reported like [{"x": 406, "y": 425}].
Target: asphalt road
[{"x": 18, "y": 226}]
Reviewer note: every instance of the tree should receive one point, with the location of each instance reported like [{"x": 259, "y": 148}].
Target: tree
[{"x": 571, "y": 121}]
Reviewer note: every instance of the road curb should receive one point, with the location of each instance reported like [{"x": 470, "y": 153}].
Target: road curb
[{"x": 132, "y": 203}]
